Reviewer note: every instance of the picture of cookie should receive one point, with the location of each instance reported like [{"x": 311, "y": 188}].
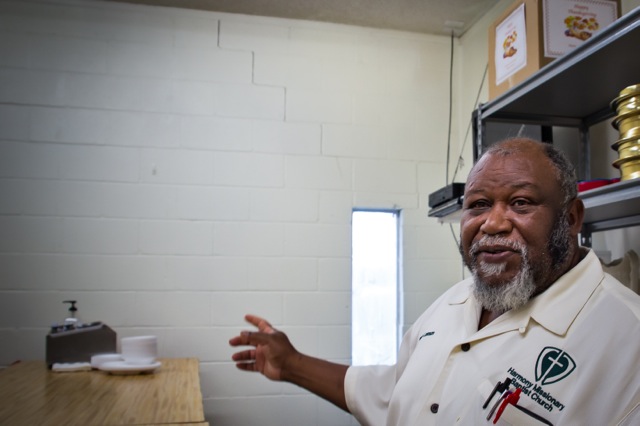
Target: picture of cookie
[{"x": 507, "y": 44}]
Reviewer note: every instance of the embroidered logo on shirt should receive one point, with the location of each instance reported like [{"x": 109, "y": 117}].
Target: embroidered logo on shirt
[
  {"x": 535, "y": 391},
  {"x": 553, "y": 365},
  {"x": 428, "y": 333}
]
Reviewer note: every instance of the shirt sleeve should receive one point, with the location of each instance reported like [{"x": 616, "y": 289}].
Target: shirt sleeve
[{"x": 368, "y": 390}]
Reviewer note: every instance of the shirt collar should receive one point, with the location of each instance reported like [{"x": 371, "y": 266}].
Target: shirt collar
[
  {"x": 461, "y": 292},
  {"x": 557, "y": 307}
]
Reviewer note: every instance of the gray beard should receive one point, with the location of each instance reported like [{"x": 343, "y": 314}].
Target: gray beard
[
  {"x": 516, "y": 292},
  {"x": 504, "y": 296}
]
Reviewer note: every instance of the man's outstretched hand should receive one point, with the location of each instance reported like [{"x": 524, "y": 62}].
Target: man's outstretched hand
[
  {"x": 276, "y": 358},
  {"x": 271, "y": 349}
]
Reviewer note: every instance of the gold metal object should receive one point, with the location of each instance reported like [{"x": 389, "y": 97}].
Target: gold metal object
[
  {"x": 629, "y": 167},
  {"x": 633, "y": 133},
  {"x": 627, "y": 121}
]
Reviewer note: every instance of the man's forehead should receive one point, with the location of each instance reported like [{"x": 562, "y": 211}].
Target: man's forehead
[
  {"x": 507, "y": 157},
  {"x": 515, "y": 170},
  {"x": 488, "y": 180},
  {"x": 532, "y": 179}
]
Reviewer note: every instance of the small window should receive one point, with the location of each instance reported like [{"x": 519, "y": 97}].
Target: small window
[{"x": 375, "y": 287}]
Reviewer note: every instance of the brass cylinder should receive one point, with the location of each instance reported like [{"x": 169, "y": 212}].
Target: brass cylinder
[{"x": 627, "y": 122}]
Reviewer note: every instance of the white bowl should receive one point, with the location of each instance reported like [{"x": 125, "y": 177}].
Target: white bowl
[{"x": 139, "y": 349}]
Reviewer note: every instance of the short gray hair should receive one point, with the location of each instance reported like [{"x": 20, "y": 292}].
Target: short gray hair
[{"x": 565, "y": 171}]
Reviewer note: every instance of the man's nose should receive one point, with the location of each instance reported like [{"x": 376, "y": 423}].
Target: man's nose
[{"x": 497, "y": 220}]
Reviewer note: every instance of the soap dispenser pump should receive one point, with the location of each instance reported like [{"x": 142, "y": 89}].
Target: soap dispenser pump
[{"x": 71, "y": 319}]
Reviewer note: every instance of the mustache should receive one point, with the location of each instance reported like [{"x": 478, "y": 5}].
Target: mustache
[{"x": 488, "y": 242}]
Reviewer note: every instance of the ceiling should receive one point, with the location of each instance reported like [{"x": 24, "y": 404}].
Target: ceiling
[{"x": 439, "y": 17}]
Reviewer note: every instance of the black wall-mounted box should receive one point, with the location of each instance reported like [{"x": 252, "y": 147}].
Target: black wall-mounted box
[{"x": 448, "y": 193}]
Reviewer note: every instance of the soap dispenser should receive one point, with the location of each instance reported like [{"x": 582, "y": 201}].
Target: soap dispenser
[{"x": 73, "y": 342}]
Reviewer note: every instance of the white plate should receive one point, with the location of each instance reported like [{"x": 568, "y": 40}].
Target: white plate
[
  {"x": 121, "y": 367},
  {"x": 98, "y": 360}
]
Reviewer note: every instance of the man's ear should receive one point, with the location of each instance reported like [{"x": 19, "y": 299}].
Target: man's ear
[{"x": 575, "y": 215}]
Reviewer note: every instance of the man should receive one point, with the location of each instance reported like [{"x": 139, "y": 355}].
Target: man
[{"x": 538, "y": 334}]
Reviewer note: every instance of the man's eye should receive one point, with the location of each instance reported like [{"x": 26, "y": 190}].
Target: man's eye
[
  {"x": 479, "y": 204},
  {"x": 520, "y": 202}
]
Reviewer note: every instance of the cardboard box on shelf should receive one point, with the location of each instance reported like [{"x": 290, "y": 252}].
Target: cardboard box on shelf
[{"x": 532, "y": 33}]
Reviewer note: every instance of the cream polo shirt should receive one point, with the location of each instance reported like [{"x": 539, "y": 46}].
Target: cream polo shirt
[{"x": 574, "y": 350}]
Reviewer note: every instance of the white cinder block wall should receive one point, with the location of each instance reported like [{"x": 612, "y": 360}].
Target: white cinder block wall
[{"x": 172, "y": 170}]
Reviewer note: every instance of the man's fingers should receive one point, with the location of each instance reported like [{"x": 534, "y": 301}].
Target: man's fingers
[
  {"x": 236, "y": 341},
  {"x": 246, "y": 366},
  {"x": 253, "y": 338},
  {"x": 262, "y": 324},
  {"x": 245, "y": 360},
  {"x": 249, "y": 355}
]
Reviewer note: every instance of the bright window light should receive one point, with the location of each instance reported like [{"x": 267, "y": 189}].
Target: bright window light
[{"x": 375, "y": 289}]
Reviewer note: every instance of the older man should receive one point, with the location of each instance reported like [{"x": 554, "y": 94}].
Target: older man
[{"x": 538, "y": 335}]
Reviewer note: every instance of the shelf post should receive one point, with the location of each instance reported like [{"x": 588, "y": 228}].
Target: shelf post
[
  {"x": 584, "y": 163},
  {"x": 478, "y": 132}
]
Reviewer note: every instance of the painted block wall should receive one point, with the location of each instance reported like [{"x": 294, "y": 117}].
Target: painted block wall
[{"x": 173, "y": 170}]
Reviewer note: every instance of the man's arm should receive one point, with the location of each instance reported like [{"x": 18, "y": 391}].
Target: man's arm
[{"x": 274, "y": 356}]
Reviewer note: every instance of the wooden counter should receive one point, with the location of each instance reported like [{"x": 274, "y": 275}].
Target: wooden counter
[{"x": 31, "y": 394}]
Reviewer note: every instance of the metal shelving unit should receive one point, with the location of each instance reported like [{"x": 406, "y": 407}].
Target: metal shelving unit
[
  {"x": 610, "y": 207},
  {"x": 576, "y": 91}
]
